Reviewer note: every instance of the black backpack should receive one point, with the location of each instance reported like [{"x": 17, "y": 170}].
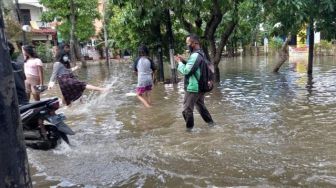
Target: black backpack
[{"x": 206, "y": 80}]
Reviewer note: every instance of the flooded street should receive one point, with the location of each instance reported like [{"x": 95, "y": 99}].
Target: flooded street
[{"x": 271, "y": 130}]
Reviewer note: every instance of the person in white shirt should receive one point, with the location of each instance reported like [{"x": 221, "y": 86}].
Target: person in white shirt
[{"x": 266, "y": 45}]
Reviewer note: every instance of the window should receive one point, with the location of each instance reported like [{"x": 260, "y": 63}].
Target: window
[{"x": 25, "y": 16}]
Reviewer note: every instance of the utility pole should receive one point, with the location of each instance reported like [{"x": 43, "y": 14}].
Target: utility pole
[
  {"x": 311, "y": 46},
  {"x": 18, "y": 12},
  {"x": 105, "y": 33},
  {"x": 14, "y": 168},
  {"x": 171, "y": 48},
  {"x": 160, "y": 62}
]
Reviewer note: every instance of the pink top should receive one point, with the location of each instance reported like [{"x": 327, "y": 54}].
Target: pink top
[{"x": 30, "y": 67}]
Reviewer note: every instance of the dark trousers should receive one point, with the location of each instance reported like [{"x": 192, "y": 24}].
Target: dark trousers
[{"x": 190, "y": 100}]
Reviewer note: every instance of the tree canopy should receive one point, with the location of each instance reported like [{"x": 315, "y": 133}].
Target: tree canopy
[{"x": 85, "y": 14}]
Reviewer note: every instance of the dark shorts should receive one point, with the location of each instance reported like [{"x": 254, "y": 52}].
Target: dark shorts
[
  {"x": 71, "y": 88},
  {"x": 142, "y": 90}
]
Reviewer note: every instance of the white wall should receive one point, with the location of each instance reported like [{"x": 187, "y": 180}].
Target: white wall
[{"x": 30, "y": 2}]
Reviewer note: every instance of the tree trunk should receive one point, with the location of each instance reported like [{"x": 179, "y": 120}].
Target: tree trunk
[
  {"x": 311, "y": 47},
  {"x": 13, "y": 157},
  {"x": 284, "y": 54},
  {"x": 72, "y": 32},
  {"x": 212, "y": 50},
  {"x": 216, "y": 52},
  {"x": 79, "y": 54},
  {"x": 107, "y": 58},
  {"x": 244, "y": 50},
  {"x": 210, "y": 30},
  {"x": 217, "y": 73}
]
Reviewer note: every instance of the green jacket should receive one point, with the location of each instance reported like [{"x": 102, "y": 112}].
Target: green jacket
[{"x": 190, "y": 82}]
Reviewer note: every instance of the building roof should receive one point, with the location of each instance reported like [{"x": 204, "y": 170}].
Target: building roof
[{"x": 46, "y": 31}]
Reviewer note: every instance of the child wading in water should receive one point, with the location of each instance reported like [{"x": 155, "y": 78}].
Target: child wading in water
[
  {"x": 145, "y": 68},
  {"x": 71, "y": 88}
]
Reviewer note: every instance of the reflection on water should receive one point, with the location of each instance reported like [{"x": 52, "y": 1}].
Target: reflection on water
[{"x": 272, "y": 130}]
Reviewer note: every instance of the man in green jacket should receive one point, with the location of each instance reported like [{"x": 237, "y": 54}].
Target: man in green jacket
[{"x": 192, "y": 95}]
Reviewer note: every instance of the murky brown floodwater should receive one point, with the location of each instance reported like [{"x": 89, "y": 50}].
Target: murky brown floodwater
[{"x": 273, "y": 130}]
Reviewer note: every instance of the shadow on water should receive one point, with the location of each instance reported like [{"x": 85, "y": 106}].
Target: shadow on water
[{"x": 272, "y": 130}]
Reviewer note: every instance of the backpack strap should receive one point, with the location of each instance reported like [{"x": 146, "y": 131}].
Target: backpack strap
[
  {"x": 152, "y": 64},
  {"x": 196, "y": 66}
]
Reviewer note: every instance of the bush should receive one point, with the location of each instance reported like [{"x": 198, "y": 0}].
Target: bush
[
  {"x": 44, "y": 53},
  {"x": 325, "y": 45},
  {"x": 275, "y": 43},
  {"x": 323, "y": 48}
]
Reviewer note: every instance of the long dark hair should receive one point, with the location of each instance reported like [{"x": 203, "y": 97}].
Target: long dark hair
[
  {"x": 60, "y": 59},
  {"x": 29, "y": 50},
  {"x": 143, "y": 50},
  {"x": 11, "y": 48}
]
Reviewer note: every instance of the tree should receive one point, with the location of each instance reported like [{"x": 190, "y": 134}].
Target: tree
[
  {"x": 292, "y": 15},
  {"x": 77, "y": 18},
  {"x": 133, "y": 24},
  {"x": 13, "y": 27},
  {"x": 251, "y": 14},
  {"x": 13, "y": 157},
  {"x": 213, "y": 20},
  {"x": 320, "y": 18}
]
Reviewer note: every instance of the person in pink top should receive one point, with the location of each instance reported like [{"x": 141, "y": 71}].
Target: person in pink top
[{"x": 33, "y": 68}]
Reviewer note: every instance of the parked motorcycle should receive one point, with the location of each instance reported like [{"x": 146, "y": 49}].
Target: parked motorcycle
[{"x": 42, "y": 127}]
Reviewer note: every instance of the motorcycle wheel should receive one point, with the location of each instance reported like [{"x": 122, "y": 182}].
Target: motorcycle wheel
[{"x": 53, "y": 137}]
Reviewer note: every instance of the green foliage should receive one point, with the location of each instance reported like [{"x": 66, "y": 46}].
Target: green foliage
[
  {"x": 294, "y": 14},
  {"x": 136, "y": 22},
  {"x": 13, "y": 29},
  {"x": 324, "y": 45},
  {"x": 85, "y": 14},
  {"x": 123, "y": 27},
  {"x": 326, "y": 18},
  {"x": 251, "y": 15},
  {"x": 44, "y": 52},
  {"x": 290, "y": 15},
  {"x": 275, "y": 43}
]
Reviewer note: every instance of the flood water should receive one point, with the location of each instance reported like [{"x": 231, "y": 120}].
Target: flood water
[{"x": 273, "y": 130}]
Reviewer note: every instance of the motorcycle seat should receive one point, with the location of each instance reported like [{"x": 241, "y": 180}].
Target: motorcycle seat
[{"x": 36, "y": 104}]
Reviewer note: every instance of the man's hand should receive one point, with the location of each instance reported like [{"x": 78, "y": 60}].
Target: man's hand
[
  {"x": 180, "y": 58},
  {"x": 177, "y": 58}
]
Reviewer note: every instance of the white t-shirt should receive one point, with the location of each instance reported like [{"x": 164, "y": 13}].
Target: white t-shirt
[
  {"x": 144, "y": 72},
  {"x": 31, "y": 65}
]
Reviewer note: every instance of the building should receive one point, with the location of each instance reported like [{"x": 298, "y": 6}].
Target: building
[
  {"x": 31, "y": 12},
  {"x": 99, "y": 23}
]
